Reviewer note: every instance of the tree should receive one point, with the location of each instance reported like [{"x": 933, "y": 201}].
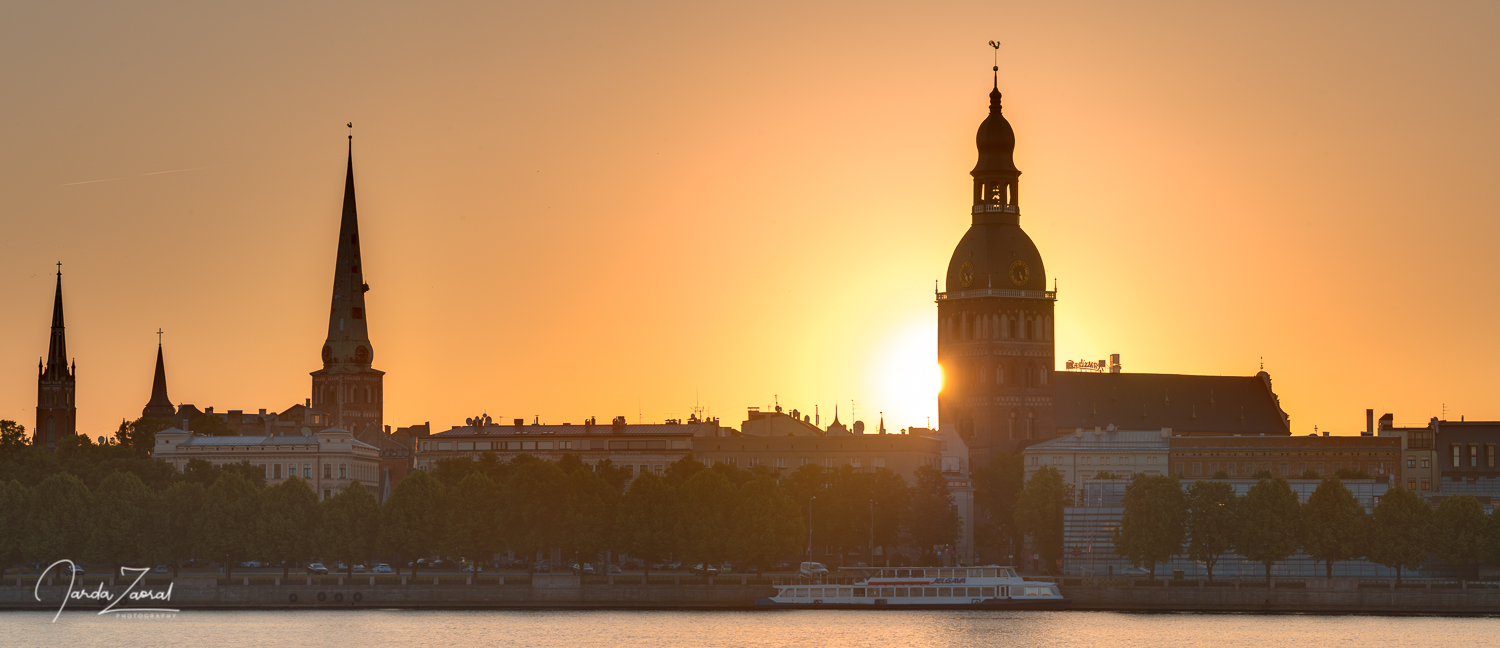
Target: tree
[
  {"x": 227, "y": 529},
  {"x": 1210, "y": 522},
  {"x": 616, "y": 476},
  {"x": 13, "y": 522},
  {"x": 12, "y": 439},
  {"x": 1154, "y": 524},
  {"x": 678, "y": 472},
  {"x": 59, "y": 515},
  {"x": 533, "y": 515},
  {"x": 766, "y": 524},
  {"x": 997, "y": 491},
  {"x": 1461, "y": 530},
  {"x": 588, "y": 527},
  {"x": 210, "y": 425},
  {"x": 1333, "y": 524},
  {"x": 288, "y": 523},
  {"x": 413, "y": 520},
  {"x": 474, "y": 510},
  {"x": 647, "y": 520},
  {"x": 1402, "y": 531},
  {"x": 933, "y": 515},
  {"x": 705, "y": 502},
  {"x": 201, "y": 472},
  {"x": 1269, "y": 516},
  {"x": 122, "y": 520},
  {"x": 349, "y": 525},
  {"x": 1041, "y": 513},
  {"x": 1351, "y": 473},
  {"x": 891, "y": 498},
  {"x": 140, "y": 434},
  {"x": 181, "y": 505}
]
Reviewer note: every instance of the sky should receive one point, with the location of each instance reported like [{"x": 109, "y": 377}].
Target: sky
[{"x": 575, "y": 209}]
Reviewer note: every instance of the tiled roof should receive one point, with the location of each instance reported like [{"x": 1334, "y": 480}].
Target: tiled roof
[
  {"x": 1106, "y": 440},
  {"x": 601, "y": 430},
  {"x": 1188, "y": 404}
]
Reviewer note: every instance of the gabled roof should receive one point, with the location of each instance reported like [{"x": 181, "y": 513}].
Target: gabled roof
[{"x": 1212, "y": 405}]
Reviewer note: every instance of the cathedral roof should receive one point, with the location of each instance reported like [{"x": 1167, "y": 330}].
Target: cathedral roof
[{"x": 1188, "y": 404}]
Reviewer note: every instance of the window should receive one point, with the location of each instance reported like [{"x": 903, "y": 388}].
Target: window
[
  {"x": 543, "y": 445},
  {"x": 1473, "y": 456},
  {"x": 327, "y": 471},
  {"x": 1231, "y": 468},
  {"x": 307, "y": 471},
  {"x": 325, "y": 493},
  {"x": 481, "y": 445},
  {"x": 512, "y": 445},
  {"x": 781, "y": 462},
  {"x": 1489, "y": 455},
  {"x": 1197, "y": 469},
  {"x": 342, "y": 472},
  {"x": 426, "y": 445},
  {"x": 1180, "y": 468},
  {"x": 263, "y": 472},
  {"x": 1411, "y": 484},
  {"x": 1319, "y": 468},
  {"x": 276, "y": 471},
  {"x": 1456, "y": 452},
  {"x": 565, "y": 445},
  {"x": 1425, "y": 462},
  {"x": 656, "y": 469},
  {"x": 445, "y": 445},
  {"x": 1426, "y": 485},
  {"x": 1411, "y": 462},
  {"x": 528, "y": 445},
  {"x": 465, "y": 445}
]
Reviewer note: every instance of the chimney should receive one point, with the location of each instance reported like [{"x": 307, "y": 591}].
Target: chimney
[
  {"x": 1369, "y": 423},
  {"x": 1114, "y": 363},
  {"x": 262, "y": 411},
  {"x": 387, "y": 430},
  {"x": 307, "y": 402},
  {"x": 519, "y": 422}
]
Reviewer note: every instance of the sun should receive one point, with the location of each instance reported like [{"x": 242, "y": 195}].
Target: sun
[{"x": 910, "y": 377}]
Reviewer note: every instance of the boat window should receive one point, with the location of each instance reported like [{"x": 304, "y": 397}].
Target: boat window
[
  {"x": 931, "y": 591},
  {"x": 945, "y": 591},
  {"x": 1004, "y": 591},
  {"x": 976, "y": 573},
  {"x": 974, "y": 592},
  {"x": 990, "y": 573},
  {"x": 859, "y": 591},
  {"x": 801, "y": 592},
  {"x": 816, "y": 592},
  {"x": 844, "y": 592},
  {"x": 900, "y": 591},
  {"x": 887, "y": 591},
  {"x": 988, "y": 592},
  {"x": 916, "y": 591}
]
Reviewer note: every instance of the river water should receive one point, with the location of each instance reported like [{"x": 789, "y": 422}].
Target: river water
[{"x": 610, "y": 629}]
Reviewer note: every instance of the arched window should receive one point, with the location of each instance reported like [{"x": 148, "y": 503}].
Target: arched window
[
  {"x": 1048, "y": 332},
  {"x": 994, "y": 327},
  {"x": 51, "y": 430},
  {"x": 1012, "y": 426},
  {"x": 1027, "y": 324},
  {"x": 1030, "y": 376},
  {"x": 999, "y": 374},
  {"x": 1010, "y": 327},
  {"x": 1030, "y": 420}
]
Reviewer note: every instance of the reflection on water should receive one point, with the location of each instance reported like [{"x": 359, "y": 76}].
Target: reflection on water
[{"x": 771, "y": 628}]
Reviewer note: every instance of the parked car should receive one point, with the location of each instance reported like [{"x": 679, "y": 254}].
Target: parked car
[
  {"x": 317, "y": 568},
  {"x": 542, "y": 568},
  {"x": 588, "y": 569},
  {"x": 73, "y": 569},
  {"x": 161, "y": 569},
  {"x": 1135, "y": 571},
  {"x": 631, "y": 566},
  {"x": 814, "y": 570},
  {"x": 612, "y": 569},
  {"x": 660, "y": 565},
  {"x": 674, "y": 566},
  {"x": 781, "y": 567},
  {"x": 359, "y": 569},
  {"x": 707, "y": 570},
  {"x": 382, "y": 568}
]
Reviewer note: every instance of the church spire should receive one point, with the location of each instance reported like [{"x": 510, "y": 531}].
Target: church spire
[
  {"x": 57, "y": 349},
  {"x": 348, "y": 340},
  {"x": 159, "y": 406}
]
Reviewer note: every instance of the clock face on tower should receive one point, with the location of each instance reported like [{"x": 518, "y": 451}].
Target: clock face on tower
[
  {"x": 1019, "y": 273},
  {"x": 966, "y": 274}
]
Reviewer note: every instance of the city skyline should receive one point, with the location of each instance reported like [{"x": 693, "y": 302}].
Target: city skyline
[{"x": 221, "y": 231}]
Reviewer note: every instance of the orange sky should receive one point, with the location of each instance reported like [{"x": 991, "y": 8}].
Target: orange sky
[{"x": 573, "y": 209}]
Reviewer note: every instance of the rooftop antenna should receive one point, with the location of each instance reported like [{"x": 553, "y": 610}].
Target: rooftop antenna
[{"x": 1262, "y": 363}]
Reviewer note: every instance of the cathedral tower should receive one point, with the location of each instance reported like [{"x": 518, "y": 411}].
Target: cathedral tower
[
  {"x": 56, "y": 412},
  {"x": 995, "y": 341},
  {"x": 347, "y": 388}
]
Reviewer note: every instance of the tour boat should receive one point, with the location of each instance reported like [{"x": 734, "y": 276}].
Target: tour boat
[{"x": 927, "y": 588}]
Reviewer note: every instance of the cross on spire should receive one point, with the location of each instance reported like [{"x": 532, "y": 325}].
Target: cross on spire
[{"x": 158, "y": 337}]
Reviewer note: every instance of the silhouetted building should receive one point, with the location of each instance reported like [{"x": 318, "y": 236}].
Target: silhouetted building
[
  {"x": 1285, "y": 456},
  {"x": 297, "y": 420},
  {"x": 56, "y": 410},
  {"x": 347, "y": 387},
  {"x": 995, "y": 341},
  {"x": 159, "y": 407},
  {"x": 1187, "y": 404}
]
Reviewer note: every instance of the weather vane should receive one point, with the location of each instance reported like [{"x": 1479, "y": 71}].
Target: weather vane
[
  {"x": 351, "y": 127},
  {"x": 996, "y": 45}
]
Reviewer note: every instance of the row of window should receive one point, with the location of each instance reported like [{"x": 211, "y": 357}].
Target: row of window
[
  {"x": 977, "y": 326},
  {"x": 1284, "y": 469},
  {"x": 273, "y": 471},
  {"x": 1037, "y": 460},
  {"x": 597, "y": 444},
  {"x": 1411, "y": 484},
  {"x": 1458, "y": 452}
]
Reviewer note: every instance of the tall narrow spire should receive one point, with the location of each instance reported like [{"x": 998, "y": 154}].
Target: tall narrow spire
[
  {"x": 348, "y": 336},
  {"x": 57, "y": 349},
  {"x": 159, "y": 406}
]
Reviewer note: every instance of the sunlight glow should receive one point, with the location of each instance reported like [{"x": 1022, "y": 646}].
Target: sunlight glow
[{"x": 910, "y": 378}]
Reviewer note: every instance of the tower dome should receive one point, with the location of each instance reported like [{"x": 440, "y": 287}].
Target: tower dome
[{"x": 996, "y": 141}]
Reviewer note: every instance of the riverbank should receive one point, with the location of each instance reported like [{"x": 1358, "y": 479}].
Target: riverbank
[{"x": 562, "y": 591}]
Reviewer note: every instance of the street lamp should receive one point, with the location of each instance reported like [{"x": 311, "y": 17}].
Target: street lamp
[{"x": 809, "y": 528}]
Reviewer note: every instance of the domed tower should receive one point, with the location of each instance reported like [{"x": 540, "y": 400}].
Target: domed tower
[{"x": 995, "y": 340}]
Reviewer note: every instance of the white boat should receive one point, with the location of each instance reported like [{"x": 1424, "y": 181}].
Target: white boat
[{"x": 950, "y": 588}]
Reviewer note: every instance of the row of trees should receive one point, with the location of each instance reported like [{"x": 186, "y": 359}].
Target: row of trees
[
  {"x": 106, "y": 504},
  {"x": 1207, "y": 520}
]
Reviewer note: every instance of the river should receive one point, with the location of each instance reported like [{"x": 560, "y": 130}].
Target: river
[{"x": 608, "y": 629}]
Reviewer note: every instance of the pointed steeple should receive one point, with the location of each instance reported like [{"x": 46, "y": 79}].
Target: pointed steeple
[
  {"x": 57, "y": 349},
  {"x": 159, "y": 406},
  {"x": 348, "y": 340}
]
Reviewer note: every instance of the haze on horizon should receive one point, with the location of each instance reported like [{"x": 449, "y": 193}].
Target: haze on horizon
[{"x": 587, "y": 209}]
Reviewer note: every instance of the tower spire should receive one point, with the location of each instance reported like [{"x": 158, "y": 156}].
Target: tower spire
[
  {"x": 159, "y": 406},
  {"x": 57, "y": 349}
]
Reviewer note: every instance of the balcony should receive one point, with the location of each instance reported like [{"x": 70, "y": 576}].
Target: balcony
[
  {"x": 1050, "y": 295},
  {"x": 992, "y": 207}
]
